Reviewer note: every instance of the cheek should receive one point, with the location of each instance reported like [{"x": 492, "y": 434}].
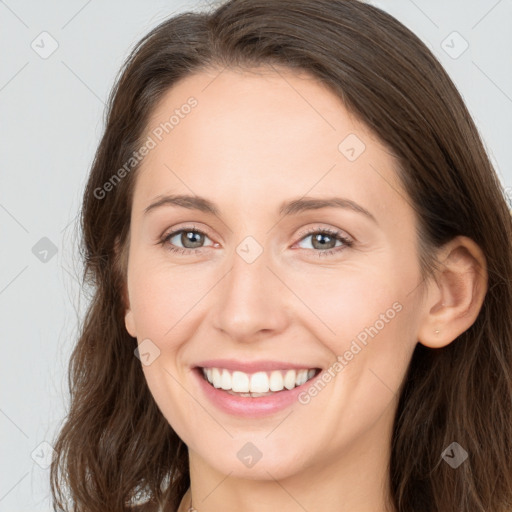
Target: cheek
[
  {"x": 165, "y": 303},
  {"x": 371, "y": 347},
  {"x": 366, "y": 321},
  {"x": 161, "y": 298},
  {"x": 348, "y": 303}
]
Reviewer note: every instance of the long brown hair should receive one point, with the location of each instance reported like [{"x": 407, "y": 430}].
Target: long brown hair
[{"x": 115, "y": 441}]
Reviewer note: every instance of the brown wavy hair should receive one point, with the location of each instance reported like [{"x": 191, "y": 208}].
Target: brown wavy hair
[{"x": 115, "y": 442}]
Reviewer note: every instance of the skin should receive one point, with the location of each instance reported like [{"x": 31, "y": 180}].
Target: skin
[{"x": 256, "y": 139}]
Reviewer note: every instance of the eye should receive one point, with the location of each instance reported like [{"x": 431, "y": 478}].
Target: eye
[
  {"x": 191, "y": 240},
  {"x": 325, "y": 240}
]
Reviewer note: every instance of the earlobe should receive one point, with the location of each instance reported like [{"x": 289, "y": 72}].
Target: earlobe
[
  {"x": 129, "y": 323},
  {"x": 121, "y": 262},
  {"x": 456, "y": 296}
]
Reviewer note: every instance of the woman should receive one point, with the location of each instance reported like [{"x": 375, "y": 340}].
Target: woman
[{"x": 301, "y": 260}]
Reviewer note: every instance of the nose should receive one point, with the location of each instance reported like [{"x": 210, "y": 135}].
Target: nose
[{"x": 251, "y": 301}]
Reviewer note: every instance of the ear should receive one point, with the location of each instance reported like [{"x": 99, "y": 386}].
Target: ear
[
  {"x": 456, "y": 294},
  {"x": 121, "y": 261},
  {"x": 129, "y": 323}
]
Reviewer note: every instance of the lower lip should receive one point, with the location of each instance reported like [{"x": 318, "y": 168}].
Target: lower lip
[{"x": 250, "y": 407}]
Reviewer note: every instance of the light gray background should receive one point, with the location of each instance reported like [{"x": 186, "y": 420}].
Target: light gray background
[{"x": 51, "y": 121}]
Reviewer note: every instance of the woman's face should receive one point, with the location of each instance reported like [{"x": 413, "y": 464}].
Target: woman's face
[{"x": 294, "y": 251}]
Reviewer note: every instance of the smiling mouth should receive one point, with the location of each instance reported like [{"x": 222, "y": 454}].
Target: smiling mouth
[{"x": 257, "y": 384}]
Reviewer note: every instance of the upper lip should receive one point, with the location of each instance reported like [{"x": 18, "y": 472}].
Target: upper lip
[{"x": 252, "y": 366}]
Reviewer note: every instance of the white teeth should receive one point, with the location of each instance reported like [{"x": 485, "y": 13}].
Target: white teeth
[
  {"x": 240, "y": 382},
  {"x": 225, "y": 381},
  {"x": 276, "y": 381},
  {"x": 289, "y": 379},
  {"x": 215, "y": 378},
  {"x": 302, "y": 376},
  {"x": 259, "y": 383}
]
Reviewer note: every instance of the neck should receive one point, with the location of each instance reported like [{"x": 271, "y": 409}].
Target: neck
[{"x": 186, "y": 503}]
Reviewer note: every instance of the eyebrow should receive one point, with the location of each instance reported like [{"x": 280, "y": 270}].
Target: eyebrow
[{"x": 287, "y": 208}]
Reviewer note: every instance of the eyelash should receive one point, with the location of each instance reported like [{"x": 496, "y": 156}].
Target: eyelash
[{"x": 347, "y": 243}]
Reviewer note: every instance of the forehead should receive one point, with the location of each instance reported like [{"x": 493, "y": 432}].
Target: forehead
[{"x": 260, "y": 134}]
